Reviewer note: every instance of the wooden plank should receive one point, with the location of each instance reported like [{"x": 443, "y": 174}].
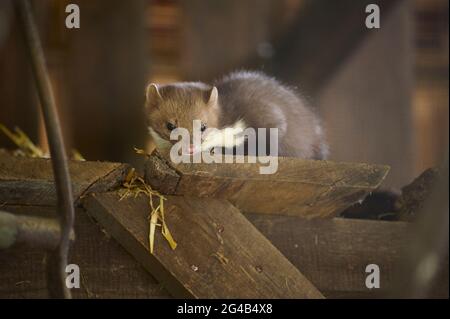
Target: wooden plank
[
  {"x": 303, "y": 188},
  {"x": 219, "y": 254},
  {"x": 107, "y": 270},
  {"x": 29, "y": 181},
  {"x": 333, "y": 253}
]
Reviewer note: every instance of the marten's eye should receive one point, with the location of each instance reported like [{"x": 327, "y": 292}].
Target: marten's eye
[
  {"x": 203, "y": 127},
  {"x": 170, "y": 126}
]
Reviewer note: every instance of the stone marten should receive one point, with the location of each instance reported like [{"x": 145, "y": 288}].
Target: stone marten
[{"x": 238, "y": 101}]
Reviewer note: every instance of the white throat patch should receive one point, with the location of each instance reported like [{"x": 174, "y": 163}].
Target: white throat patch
[{"x": 227, "y": 137}]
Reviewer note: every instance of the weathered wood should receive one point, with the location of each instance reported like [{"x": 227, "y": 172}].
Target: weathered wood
[
  {"x": 299, "y": 187},
  {"x": 160, "y": 175},
  {"x": 415, "y": 194},
  {"x": 422, "y": 263},
  {"x": 219, "y": 255},
  {"x": 29, "y": 181},
  {"x": 107, "y": 270},
  {"x": 333, "y": 253}
]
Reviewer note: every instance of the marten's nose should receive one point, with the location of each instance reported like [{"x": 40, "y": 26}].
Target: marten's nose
[{"x": 191, "y": 149}]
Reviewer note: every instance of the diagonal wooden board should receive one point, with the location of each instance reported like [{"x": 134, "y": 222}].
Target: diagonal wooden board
[
  {"x": 220, "y": 254},
  {"x": 299, "y": 187}
]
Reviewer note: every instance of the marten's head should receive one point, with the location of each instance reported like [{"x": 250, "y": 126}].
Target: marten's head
[{"x": 177, "y": 105}]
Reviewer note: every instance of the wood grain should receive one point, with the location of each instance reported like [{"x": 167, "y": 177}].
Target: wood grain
[
  {"x": 219, "y": 255},
  {"x": 333, "y": 253},
  {"x": 299, "y": 187},
  {"x": 29, "y": 181},
  {"x": 107, "y": 270}
]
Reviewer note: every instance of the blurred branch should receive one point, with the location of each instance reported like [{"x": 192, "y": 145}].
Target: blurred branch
[
  {"x": 58, "y": 258},
  {"x": 28, "y": 230}
]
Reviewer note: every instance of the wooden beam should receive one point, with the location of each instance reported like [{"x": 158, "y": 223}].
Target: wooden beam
[
  {"x": 330, "y": 253},
  {"x": 219, "y": 254},
  {"x": 299, "y": 187},
  {"x": 107, "y": 270},
  {"x": 29, "y": 181},
  {"x": 333, "y": 253}
]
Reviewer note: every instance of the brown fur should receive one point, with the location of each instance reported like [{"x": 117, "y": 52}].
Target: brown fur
[
  {"x": 180, "y": 104},
  {"x": 258, "y": 100}
]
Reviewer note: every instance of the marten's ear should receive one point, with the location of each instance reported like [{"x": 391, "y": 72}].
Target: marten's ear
[
  {"x": 152, "y": 94},
  {"x": 212, "y": 97}
]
